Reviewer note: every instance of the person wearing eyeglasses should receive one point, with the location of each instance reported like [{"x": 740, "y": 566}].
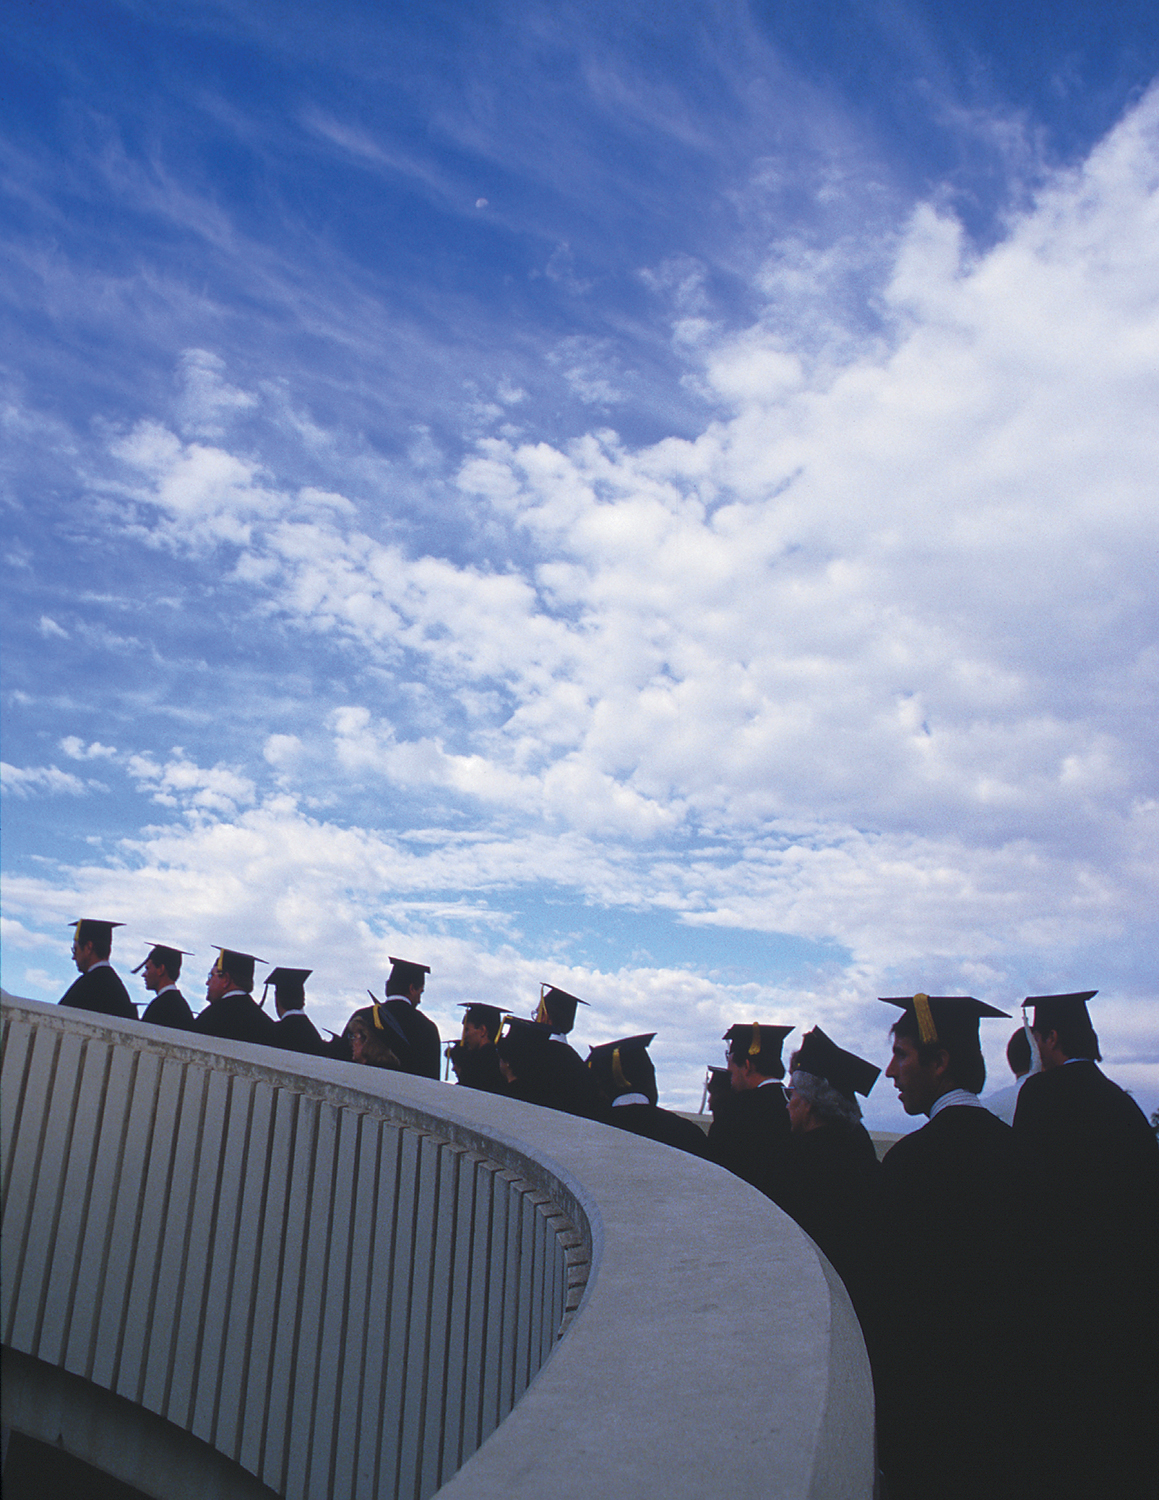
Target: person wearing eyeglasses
[{"x": 100, "y": 987}]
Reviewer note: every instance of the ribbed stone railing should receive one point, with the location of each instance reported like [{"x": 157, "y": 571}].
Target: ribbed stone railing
[{"x": 233, "y": 1271}]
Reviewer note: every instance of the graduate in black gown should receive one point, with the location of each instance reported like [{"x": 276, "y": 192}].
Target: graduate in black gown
[
  {"x": 525, "y": 1063},
  {"x": 750, "y": 1125},
  {"x": 828, "y": 1177},
  {"x": 1095, "y": 1168},
  {"x": 473, "y": 1056},
  {"x": 99, "y": 987},
  {"x": 627, "y": 1078},
  {"x": 404, "y": 993},
  {"x": 162, "y": 969},
  {"x": 949, "y": 1329},
  {"x": 574, "y": 1083},
  {"x": 540, "y": 1071},
  {"x": 293, "y": 1030},
  {"x": 232, "y": 1013}
]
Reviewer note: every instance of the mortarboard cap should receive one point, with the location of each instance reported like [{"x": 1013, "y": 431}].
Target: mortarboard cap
[
  {"x": 717, "y": 1081},
  {"x": 488, "y": 1016},
  {"x": 944, "y": 1017},
  {"x": 523, "y": 1043},
  {"x": 557, "y": 1008},
  {"x": 624, "y": 1067},
  {"x": 404, "y": 975},
  {"x": 286, "y": 981},
  {"x": 239, "y": 966},
  {"x": 89, "y": 930},
  {"x": 278, "y": 977},
  {"x": 761, "y": 1043},
  {"x": 1049, "y": 1009},
  {"x": 168, "y": 957},
  {"x": 845, "y": 1071},
  {"x": 378, "y": 1015}
]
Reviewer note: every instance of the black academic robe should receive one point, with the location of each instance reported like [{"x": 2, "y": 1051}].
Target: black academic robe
[
  {"x": 237, "y": 1018},
  {"x": 951, "y": 1316},
  {"x": 169, "y": 1008},
  {"x": 575, "y": 1090},
  {"x": 1094, "y": 1163},
  {"x": 100, "y": 990},
  {"x": 749, "y": 1131},
  {"x": 660, "y": 1125},
  {"x": 828, "y": 1180},
  {"x": 297, "y": 1033},
  {"x": 1090, "y": 1147},
  {"x": 555, "y": 1076},
  {"x": 424, "y": 1046},
  {"x": 478, "y": 1068}
]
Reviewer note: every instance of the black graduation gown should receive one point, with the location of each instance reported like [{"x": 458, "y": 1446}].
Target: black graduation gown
[
  {"x": 749, "y": 1131},
  {"x": 297, "y": 1033},
  {"x": 1094, "y": 1162},
  {"x": 828, "y": 1180},
  {"x": 951, "y": 1317},
  {"x": 660, "y": 1125},
  {"x": 575, "y": 1089},
  {"x": 556, "y": 1077},
  {"x": 236, "y": 1018},
  {"x": 169, "y": 1008},
  {"x": 1089, "y": 1145},
  {"x": 425, "y": 1048},
  {"x": 101, "y": 990},
  {"x": 478, "y": 1068}
]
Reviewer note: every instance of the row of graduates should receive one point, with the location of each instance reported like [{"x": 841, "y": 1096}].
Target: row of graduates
[
  {"x": 232, "y": 1014},
  {"x": 1006, "y": 1278}
]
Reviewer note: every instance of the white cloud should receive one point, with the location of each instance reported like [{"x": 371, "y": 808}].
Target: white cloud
[
  {"x": 206, "y": 496},
  {"x": 283, "y": 751},
  {"x": 207, "y": 400},
  {"x": 76, "y": 749},
  {"x": 902, "y": 594},
  {"x": 27, "y": 781},
  {"x": 51, "y": 630},
  {"x": 180, "y": 783},
  {"x": 589, "y": 365}
]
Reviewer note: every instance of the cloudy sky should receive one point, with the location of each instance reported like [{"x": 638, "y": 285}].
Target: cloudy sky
[{"x": 660, "y": 500}]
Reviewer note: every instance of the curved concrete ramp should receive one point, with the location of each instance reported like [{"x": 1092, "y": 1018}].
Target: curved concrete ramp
[{"x": 349, "y": 1283}]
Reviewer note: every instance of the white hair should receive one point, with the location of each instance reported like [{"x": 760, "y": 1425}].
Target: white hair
[{"x": 824, "y": 1100}]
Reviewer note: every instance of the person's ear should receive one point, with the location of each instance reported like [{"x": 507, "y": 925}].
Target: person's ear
[{"x": 941, "y": 1063}]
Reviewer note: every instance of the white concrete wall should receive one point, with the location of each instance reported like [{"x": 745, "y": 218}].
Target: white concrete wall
[{"x": 344, "y": 1280}]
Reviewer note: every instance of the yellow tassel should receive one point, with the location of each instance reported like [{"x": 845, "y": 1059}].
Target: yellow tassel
[
  {"x": 755, "y": 1044},
  {"x": 926, "y": 1028}
]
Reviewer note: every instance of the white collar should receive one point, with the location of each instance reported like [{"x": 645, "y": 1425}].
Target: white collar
[
  {"x": 630, "y": 1099},
  {"x": 164, "y": 990},
  {"x": 954, "y": 1097},
  {"x": 286, "y": 1014},
  {"x": 101, "y": 963}
]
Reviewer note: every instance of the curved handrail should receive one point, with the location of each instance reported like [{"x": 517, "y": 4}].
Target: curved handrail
[{"x": 714, "y": 1350}]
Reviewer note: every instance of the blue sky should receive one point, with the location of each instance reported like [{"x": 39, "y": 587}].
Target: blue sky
[{"x": 656, "y": 501}]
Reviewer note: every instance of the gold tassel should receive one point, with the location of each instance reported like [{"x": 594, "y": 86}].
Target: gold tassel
[{"x": 926, "y": 1028}]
